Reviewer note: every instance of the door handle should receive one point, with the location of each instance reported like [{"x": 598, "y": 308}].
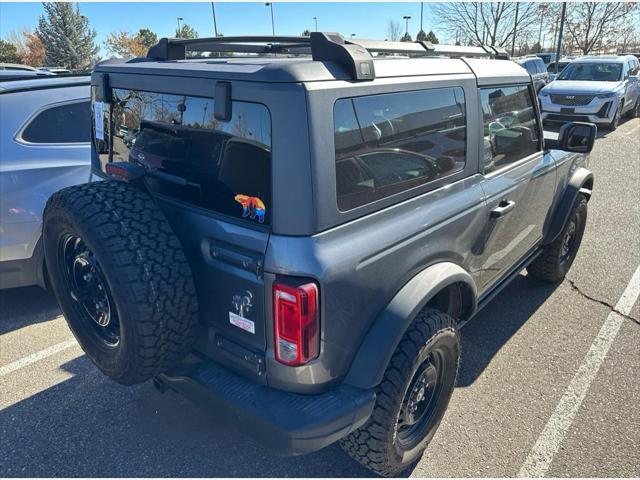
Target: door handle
[{"x": 504, "y": 207}]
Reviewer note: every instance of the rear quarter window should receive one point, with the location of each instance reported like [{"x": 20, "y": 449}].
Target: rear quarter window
[
  {"x": 389, "y": 143},
  {"x": 66, "y": 123}
]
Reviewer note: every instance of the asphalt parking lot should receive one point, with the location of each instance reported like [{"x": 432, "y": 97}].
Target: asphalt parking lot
[{"x": 549, "y": 381}]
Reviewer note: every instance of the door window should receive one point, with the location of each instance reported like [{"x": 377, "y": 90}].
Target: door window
[{"x": 511, "y": 130}]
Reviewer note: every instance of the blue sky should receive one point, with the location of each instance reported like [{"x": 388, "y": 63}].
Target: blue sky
[{"x": 366, "y": 20}]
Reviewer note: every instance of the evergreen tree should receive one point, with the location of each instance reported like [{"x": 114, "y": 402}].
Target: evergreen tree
[
  {"x": 431, "y": 37},
  {"x": 68, "y": 40},
  {"x": 186, "y": 31},
  {"x": 421, "y": 37},
  {"x": 406, "y": 38},
  {"x": 8, "y": 53},
  {"x": 306, "y": 33},
  {"x": 147, "y": 38}
]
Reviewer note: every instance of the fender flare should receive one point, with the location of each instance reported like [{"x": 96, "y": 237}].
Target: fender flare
[
  {"x": 380, "y": 342},
  {"x": 581, "y": 182}
]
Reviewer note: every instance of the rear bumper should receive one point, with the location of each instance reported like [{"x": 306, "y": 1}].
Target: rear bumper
[{"x": 288, "y": 423}]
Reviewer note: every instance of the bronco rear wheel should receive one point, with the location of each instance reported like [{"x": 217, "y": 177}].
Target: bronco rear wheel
[
  {"x": 412, "y": 398},
  {"x": 121, "y": 279}
]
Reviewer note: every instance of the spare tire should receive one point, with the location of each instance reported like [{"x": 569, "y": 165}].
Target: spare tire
[{"x": 121, "y": 279}]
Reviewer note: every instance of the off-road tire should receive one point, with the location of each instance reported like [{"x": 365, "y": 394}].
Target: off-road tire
[
  {"x": 144, "y": 267},
  {"x": 549, "y": 265},
  {"x": 375, "y": 445}
]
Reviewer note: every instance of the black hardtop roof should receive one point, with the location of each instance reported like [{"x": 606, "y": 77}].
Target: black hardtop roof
[{"x": 320, "y": 57}]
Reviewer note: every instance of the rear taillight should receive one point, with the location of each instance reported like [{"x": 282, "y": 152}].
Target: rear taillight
[{"x": 296, "y": 323}]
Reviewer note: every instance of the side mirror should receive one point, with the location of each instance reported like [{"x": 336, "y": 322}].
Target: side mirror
[{"x": 577, "y": 137}]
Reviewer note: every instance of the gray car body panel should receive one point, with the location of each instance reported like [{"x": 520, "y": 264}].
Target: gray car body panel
[
  {"x": 378, "y": 263},
  {"x": 30, "y": 173}
]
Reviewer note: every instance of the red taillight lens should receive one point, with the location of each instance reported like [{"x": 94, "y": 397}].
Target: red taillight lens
[{"x": 296, "y": 323}]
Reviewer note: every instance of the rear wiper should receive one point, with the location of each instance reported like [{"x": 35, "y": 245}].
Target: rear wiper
[{"x": 131, "y": 172}]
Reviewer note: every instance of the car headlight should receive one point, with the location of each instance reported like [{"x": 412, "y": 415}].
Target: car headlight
[
  {"x": 543, "y": 93},
  {"x": 606, "y": 95}
]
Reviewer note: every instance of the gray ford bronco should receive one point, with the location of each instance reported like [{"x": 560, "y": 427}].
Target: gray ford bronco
[{"x": 292, "y": 230}]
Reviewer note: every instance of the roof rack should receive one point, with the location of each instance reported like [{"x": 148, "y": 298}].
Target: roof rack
[{"x": 353, "y": 54}]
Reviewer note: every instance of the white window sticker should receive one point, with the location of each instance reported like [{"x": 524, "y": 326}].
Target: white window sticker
[
  {"x": 241, "y": 322},
  {"x": 98, "y": 119}
]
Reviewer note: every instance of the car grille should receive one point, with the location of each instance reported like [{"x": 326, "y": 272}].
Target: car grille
[{"x": 572, "y": 100}]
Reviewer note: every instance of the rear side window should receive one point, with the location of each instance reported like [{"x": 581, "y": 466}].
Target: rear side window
[
  {"x": 511, "y": 130},
  {"x": 531, "y": 67},
  {"x": 389, "y": 143},
  {"x": 68, "y": 123},
  {"x": 227, "y": 165},
  {"x": 540, "y": 66}
]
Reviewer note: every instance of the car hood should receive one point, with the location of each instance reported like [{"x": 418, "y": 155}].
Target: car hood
[{"x": 573, "y": 87}]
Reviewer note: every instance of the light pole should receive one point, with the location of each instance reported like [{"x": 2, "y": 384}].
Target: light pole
[
  {"x": 406, "y": 19},
  {"x": 543, "y": 11},
  {"x": 179, "y": 28},
  {"x": 515, "y": 26},
  {"x": 352, "y": 35},
  {"x": 315, "y": 19},
  {"x": 564, "y": 8},
  {"x": 215, "y": 27},
  {"x": 273, "y": 27},
  {"x": 421, "y": 15}
]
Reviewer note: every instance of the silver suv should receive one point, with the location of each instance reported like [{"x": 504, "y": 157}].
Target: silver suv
[
  {"x": 44, "y": 146},
  {"x": 599, "y": 90}
]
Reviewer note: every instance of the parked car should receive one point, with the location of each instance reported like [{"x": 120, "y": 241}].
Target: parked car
[
  {"x": 547, "y": 57},
  {"x": 56, "y": 70},
  {"x": 15, "y": 70},
  {"x": 44, "y": 146},
  {"x": 287, "y": 243},
  {"x": 537, "y": 69},
  {"x": 563, "y": 62},
  {"x": 594, "y": 89}
]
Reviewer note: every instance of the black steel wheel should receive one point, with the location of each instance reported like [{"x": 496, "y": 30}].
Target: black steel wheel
[
  {"x": 89, "y": 289},
  {"x": 412, "y": 398},
  {"x": 557, "y": 257},
  {"x": 121, "y": 278},
  {"x": 421, "y": 399}
]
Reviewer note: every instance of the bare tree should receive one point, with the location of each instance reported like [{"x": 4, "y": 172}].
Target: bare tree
[
  {"x": 625, "y": 35},
  {"x": 394, "y": 31},
  {"x": 491, "y": 23},
  {"x": 589, "y": 24},
  {"x": 19, "y": 40}
]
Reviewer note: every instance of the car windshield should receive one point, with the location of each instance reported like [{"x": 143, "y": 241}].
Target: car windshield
[{"x": 598, "y": 72}]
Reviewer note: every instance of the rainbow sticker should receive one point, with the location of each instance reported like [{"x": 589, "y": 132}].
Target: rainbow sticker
[{"x": 252, "y": 207}]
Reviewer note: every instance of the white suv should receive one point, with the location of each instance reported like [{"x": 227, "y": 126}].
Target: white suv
[{"x": 593, "y": 89}]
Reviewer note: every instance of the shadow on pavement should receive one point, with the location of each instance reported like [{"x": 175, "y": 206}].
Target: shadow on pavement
[
  {"x": 492, "y": 327},
  {"x": 90, "y": 426},
  {"x": 20, "y": 307}
]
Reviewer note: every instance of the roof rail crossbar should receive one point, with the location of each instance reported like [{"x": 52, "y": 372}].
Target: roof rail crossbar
[{"x": 354, "y": 55}]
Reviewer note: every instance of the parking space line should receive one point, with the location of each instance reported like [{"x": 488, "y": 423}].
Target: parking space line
[
  {"x": 37, "y": 356},
  {"x": 539, "y": 459}
]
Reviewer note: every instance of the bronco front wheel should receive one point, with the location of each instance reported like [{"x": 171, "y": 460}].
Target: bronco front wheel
[{"x": 121, "y": 279}]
